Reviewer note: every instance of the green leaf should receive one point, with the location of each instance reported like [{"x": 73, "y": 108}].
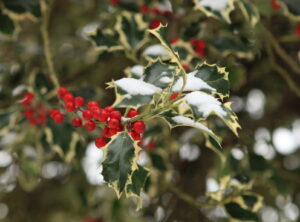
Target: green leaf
[
  {"x": 159, "y": 74},
  {"x": 138, "y": 179},
  {"x": 8, "y": 121},
  {"x": 41, "y": 84},
  {"x": 105, "y": 40},
  {"x": 7, "y": 25},
  {"x": 133, "y": 92},
  {"x": 208, "y": 78},
  {"x": 158, "y": 161},
  {"x": 292, "y": 9},
  {"x": 204, "y": 105},
  {"x": 237, "y": 212},
  {"x": 220, "y": 11},
  {"x": 249, "y": 11},
  {"x": 23, "y": 6},
  {"x": 119, "y": 162},
  {"x": 131, "y": 29}
]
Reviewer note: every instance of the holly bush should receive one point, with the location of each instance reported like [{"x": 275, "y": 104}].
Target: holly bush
[{"x": 139, "y": 110}]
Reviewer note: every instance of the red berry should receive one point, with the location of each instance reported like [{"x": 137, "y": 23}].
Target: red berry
[
  {"x": 166, "y": 13},
  {"x": 155, "y": 11},
  {"x": 105, "y": 132},
  {"x": 132, "y": 113},
  {"x": 92, "y": 104},
  {"x": 87, "y": 114},
  {"x": 298, "y": 30},
  {"x": 62, "y": 92},
  {"x": 95, "y": 110},
  {"x": 77, "y": 122},
  {"x": 33, "y": 122},
  {"x": 79, "y": 101},
  {"x": 135, "y": 136},
  {"x": 58, "y": 118},
  {"x": 68, "y": 97},
  {"x": 138, "y": 126},
  {"x": 116, "y": 115},
  {"x": 186, "y": 67},
  {"x": 113, "y": 123},
  {"x": 174, "y": 40},
  {"x": 53, "y": 112},
  {"x": 154, "y": 24},
  {"x": 100, "y": 142},
  {"x": 114, "y": 2},
  {"x": 90, "y": 125},
  {"x": 174, "y": 96},
  {"x": 102, "y": 116},
  {"x": 112, "y": 132},
  {"x": 275, "y": 4},
  {"x": 144, "y": 9},
  {"x": 29, "y": 113},
  {"x": 41, "y": 119},
  {"x": 27, "y": 99},
  {"x": 70, "y": 106},
  {"x": 150, "y": 146},
  {"x": 109, "y": 109}
]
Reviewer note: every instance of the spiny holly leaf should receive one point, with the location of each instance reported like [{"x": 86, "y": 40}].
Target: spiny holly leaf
[
  {"x": 291, "y": 8},
  {"x": 204, "y": 105},
  {"x": 237, "y": 212},
  {"x": 131, "y": 29},
  {"x": 119, "y": 162},
  {"x": 219, "y": 9},
  {"x": 159, "y": 73},
  {"x": 252, "y": 202},
  {"x": 138, "y": 180},
  {"x": 249, "y": 11},
  {"x": 160, "y": 34},
  {"x": 135, "y": 71},
  {"x": 105, "y": 40},
  {"x": 185, "y": 52},
  {"x": 40, "y": 83},
  {"x": 133, "y": 92},
  {"x": 23, "y": 6},
  {"x": 7, "y": 25},
  {"x": 229, "y": 44},
  {"x": 207, "y": 78}
]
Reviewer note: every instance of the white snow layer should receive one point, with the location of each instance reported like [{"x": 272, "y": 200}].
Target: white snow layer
[
  {"x": 137, "y": 87},
  {"x": 205, "y": 103},
  {"x": 192, "y": 83},
  {"x": 137, "y": 70},
  {"x": 165, "y": 79},
  {"x": 216, "y": 5},
  {"x": 189, "y": 122},
  {"x": 164, "y": 6},
  {"x": 156, "y": 50}
]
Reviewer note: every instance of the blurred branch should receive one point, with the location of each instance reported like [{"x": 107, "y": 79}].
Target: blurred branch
[
  {"x": 189, "y": 199},
  {"x": 290, "y": 82},
  {"x": 46, "y": 11},
  {"x": 280, "y": 51}
]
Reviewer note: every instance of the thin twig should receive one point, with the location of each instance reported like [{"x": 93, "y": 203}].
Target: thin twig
[{"x": 46, "y": 11}]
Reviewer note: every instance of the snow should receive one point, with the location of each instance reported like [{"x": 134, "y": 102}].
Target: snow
[
  {"x": 164, "y": 6},
  {"x": 137, "y": 87},
  {"x": 205, "y": 103},
  {"x": 156, "y": 50},
  {"x": 137, "y": 70},
  {"x": 189, "y": 122},
  {"x": 192, "y": 83},
  {"x": 165, "y": 79},
  {"x": 216, "y": 5}
]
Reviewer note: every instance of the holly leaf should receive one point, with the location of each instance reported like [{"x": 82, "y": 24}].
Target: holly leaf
[
  {"x": 219, "y": 10},
  {"x": 105, "y": 40},
  {"x": 291, "y": 8},
  {"x": 237, "y": 212},
  {"x": 207, "y": 78},
  {"x": 159, "y": 73},
  {"x": 131, "y": 28},
  {"x": 133, "y": 92},
  {"x": 204, "y": 105},
  {"x": 23, "y": 6},
  {"x": 7, "y": 25},
  {"x": 249, "y": 11},
  {"x": 119, "y": 161}
]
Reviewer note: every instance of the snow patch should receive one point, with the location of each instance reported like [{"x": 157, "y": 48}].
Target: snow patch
[
  {"x": 137, "y": 87},
  {"x": 156, "y": 50},
  {"x": 192, "y": 83},
  {"x": 205, "y": 103},
  {"x": 216, "y": 5},
  {"x": 165, "y": 79},
  {"x": 137, "y": 70},
  {"x": 189, "y": 122}
]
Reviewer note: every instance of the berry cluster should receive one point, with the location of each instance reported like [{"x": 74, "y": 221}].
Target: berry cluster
[
  {"x": 34, "y": 112},
  {"x": 275, "y": 4},
  {"x": 108, "y": 118}
]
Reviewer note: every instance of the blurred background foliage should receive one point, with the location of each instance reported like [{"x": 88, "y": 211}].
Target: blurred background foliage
[{"x": 259, "y": 49}]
